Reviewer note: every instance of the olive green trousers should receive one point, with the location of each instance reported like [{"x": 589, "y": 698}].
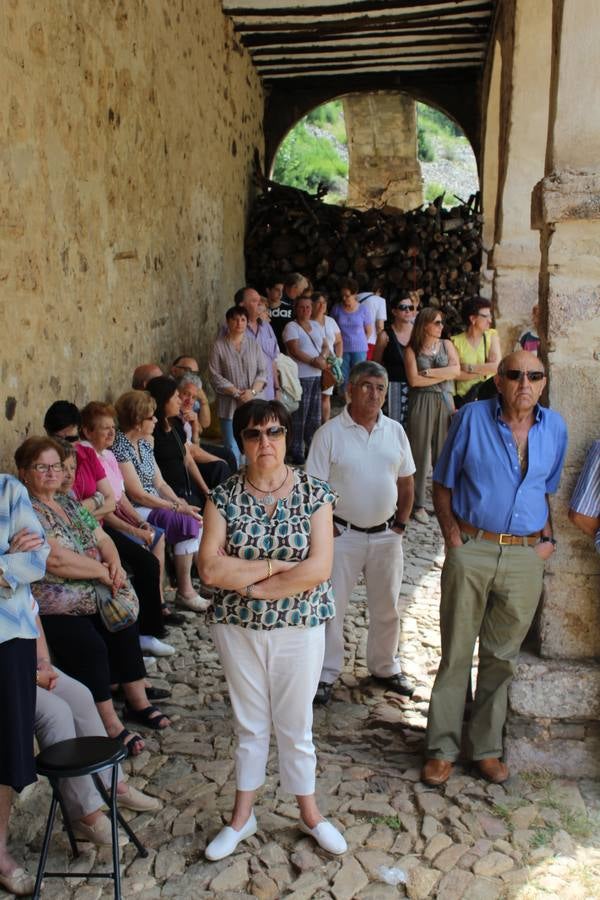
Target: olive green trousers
[{"x": 489, "y": 592}]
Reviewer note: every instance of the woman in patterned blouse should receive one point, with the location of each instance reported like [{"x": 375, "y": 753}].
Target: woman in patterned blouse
[{"x": 267, "y": 548}]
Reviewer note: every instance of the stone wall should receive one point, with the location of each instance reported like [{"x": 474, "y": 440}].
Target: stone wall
[
  {"x": 382, "y": 150},
  {"x": 127, "y": 131}
]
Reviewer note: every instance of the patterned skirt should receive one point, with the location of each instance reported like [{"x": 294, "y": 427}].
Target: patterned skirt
[{"x": 397, "y": 401}]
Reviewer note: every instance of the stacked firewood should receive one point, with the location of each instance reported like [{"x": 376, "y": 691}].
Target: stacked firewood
[{"x": 432, "y": 250}]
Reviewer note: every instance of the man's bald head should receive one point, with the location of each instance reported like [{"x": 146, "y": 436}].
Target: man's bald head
[{"x": 143, "y": 374}]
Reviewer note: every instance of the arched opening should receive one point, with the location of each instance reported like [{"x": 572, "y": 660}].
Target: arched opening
[{"x": 379, "y": 148}]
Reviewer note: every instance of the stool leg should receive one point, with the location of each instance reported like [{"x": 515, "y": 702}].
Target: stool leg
[
  {"x": 122, "y": 822},
  {"x": 115, "y": 833},
  {"x": 45, "y": 847},
  {"x": 66, "y": 818}
]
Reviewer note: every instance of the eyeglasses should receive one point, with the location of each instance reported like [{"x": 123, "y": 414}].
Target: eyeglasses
[
  {"x": 187, "y": 369},
  {"x": 485, "y": 315},
  {"x": 438, "y": 322},
  {"x": 70, "y": 438},
  {"x": 372, "y": 388},
  {"x": 273, "y": 432},
  {"x": 406, "y": 308},
  {"x": 44, "y": 468},
  {"x": 520, "y": 374}
]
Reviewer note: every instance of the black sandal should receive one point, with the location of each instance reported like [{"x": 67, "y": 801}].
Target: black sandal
[
  {"x": 152, "y": 693},
  {"x": 146, "y": 717},
  {"x": 130, "y": 745},
  {"x": 171, "y": 617}
]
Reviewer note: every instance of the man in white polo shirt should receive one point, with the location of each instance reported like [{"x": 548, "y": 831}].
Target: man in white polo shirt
[{"x": 366, "y": 458}]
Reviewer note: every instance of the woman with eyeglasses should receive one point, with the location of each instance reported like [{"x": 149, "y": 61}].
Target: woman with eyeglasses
[
  {"x": 267, "y": 549},
  {"x": 389, "y": 352},
  {"x": 82, "y": 556},
  {"x": 431, "y": 364},
  {"x": 91, "y": 486},
  {"x": 479, "y": 353}
]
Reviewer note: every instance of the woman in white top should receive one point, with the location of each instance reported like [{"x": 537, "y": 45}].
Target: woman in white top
[
  {"x": 335, "y": 346},
  {"x": 306, "y": 343}
]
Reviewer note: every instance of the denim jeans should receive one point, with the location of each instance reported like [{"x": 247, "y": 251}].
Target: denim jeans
[{"x": 229, "y": 440}]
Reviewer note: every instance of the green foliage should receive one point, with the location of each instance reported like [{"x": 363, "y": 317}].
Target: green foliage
[
  {"x": 434, "y": 190},
  {"x": 392, "y": 822},
  {"x": 329, "y": 117},
  {"x": 305, "y": 159},
  {"x": 436, "y": 123},
  {"x": 426, "y": 150}
]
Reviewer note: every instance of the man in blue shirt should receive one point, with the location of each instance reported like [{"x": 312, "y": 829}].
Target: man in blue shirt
[
  {"x": 501, "y": 459},
  {"x": 584, "y": 509}
]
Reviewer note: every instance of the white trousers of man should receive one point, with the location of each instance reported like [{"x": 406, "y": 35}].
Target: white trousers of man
[
  {"x": 380, "y": 557},
  {"x": 272, "y": 676}
]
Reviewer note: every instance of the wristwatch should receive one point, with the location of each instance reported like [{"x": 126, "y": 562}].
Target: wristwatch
[
  {"x": 401, "y": 526},
  {"x": 546, "y": 539},
  {"x": 470, "y": 369}
]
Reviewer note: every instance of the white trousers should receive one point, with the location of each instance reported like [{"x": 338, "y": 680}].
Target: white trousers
[
  {"x": 272, "y": 677},
  {"x": 381, "y": 559},
  {"x": 66, "y": 712}
]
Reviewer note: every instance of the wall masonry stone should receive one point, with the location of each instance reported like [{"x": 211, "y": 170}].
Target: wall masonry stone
[{"x": 127, "y": 132}]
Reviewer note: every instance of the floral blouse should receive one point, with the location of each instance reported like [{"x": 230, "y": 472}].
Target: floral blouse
[
  {"x": 58, "y": 596},
  {"x": 144, "y": 463},
  {"x": 253, "y": 534}
]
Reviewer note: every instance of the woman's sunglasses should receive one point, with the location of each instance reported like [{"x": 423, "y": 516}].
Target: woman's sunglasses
[
  {"x": 404, "y": 308},
  {"x": 272, "y": 433}
]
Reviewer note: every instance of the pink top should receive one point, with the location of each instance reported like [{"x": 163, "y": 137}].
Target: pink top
[
  {"x": 89, "y": 472},
  {"x": 110, "y": 468}
]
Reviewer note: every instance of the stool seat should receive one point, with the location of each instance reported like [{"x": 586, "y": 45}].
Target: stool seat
[{"x": 80, "y": 756}]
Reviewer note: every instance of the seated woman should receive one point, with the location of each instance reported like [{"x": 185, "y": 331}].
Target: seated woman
[
  {"x": 213, "y": 469},
  {"x": 23, "y": 553},
  {"x": 238, "y": 372},
  {"x": 79, "y": 559},
  {"x": 431, "y": 364},
  {"x": 150, "y": 494},
  {"x": 91, "y": 486},
  {"x": 171, "y": 448},
  {"x": 478, "y": 348},
  {"x": 268, "y": 548},
  {"x": 65, "y": 709},
  {"x": 306, "y": 343},
  {"x": 140, "y": 546}
]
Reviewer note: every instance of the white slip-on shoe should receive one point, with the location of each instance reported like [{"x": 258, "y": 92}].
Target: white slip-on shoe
[
  {"x": 195, "y": 603},
  {"x": 421, "y": 515},
  {"x": 327, "y": 836},
  {"x": 100, "y": 833},
  {"x": 154, "y": 647},
  {"x": 228, "y": 838}
]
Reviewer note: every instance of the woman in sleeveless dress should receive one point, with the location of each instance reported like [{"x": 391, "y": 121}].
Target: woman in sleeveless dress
[
  {"x": 431, "y": 366},
  {"x": 389, "y": 352}
]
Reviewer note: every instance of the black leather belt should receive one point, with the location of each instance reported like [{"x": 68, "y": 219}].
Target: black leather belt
[{"x": 373, "y": 530}]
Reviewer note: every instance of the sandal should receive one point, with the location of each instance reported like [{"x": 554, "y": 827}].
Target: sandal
[
  {"x": 152, "y": 693},
  {"x": 171, "y": 617},
  {"x": 146, "y": 716},
  {"x": 135, "y": 740}
]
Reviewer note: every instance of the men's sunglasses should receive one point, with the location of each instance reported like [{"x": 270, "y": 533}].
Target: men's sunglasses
[
  {"x": 255, "y": 434},
  {"x": 519, "y": 374},
  {"x": 406, "y": 308}
]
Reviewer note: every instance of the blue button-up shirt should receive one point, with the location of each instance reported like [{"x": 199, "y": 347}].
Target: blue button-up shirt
[
  {"x": 586, "y": 499},
  {"x": 18, "y": 609},
  {"x": 479, "y": 464}
]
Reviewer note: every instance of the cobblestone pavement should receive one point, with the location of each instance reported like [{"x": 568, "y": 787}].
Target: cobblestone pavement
[{"x": 533, "y": 837}]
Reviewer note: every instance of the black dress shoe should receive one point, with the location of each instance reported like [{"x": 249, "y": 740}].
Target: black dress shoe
[
  {"x": 398, "y": 683},
  {"x": 323, "y": 695}
]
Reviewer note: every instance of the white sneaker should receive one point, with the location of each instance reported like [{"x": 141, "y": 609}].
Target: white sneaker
[
  {"x": 228, "y": 838},
  {"x": 327, "y": 836},
  {"x": 154, "y": 647},
  {"x": 195, "y": 603},
  {"x": 421, "y": 515}
]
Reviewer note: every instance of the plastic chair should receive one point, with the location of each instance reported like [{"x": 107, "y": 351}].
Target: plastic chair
[{"x": 71, "y": 759}]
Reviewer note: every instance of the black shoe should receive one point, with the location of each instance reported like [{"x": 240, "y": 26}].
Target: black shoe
[
  {"x": 323, "y": 695},
  {"x": 399, "y": 683}
]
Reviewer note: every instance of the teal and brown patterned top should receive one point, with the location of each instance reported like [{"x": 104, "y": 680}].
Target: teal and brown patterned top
[{"x": 253, "y": 534}]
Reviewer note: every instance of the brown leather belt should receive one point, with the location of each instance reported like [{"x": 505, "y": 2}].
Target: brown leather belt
[{"x": 525, "y": 540}]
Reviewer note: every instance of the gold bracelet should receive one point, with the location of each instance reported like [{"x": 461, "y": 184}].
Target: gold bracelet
[{"x": 269, "y": 568}]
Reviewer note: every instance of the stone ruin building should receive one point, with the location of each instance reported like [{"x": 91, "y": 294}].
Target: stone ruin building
[{"x": 127, "y": 136}]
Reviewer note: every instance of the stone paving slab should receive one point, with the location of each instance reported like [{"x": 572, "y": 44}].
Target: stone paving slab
[{"x": 535, "y": 837}]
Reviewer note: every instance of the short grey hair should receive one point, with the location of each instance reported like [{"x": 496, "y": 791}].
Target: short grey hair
[
  {"x": 365, "y": 368},
  {"x": 190, "y": 378}
]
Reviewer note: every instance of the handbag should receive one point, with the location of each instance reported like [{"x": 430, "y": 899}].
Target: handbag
[
  {"x": 119, "y": 611},
  {"x": 328, "y": 379}
]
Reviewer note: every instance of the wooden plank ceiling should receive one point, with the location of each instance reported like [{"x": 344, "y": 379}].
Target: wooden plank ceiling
[{"x": 304, "y": 39}]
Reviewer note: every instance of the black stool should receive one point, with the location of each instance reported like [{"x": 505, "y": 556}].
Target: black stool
[{"x": 70, "y": 759}]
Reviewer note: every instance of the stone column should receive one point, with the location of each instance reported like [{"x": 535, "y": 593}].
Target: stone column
[
  {"x": 518, "y": 109},
  {"x": 555, "y": 700},
  {"x": 382, "y": 149}
]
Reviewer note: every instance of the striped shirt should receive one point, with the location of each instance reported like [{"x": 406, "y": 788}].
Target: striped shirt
[
  {"x": 586, "y": 498},
  {"x": 229, "y": 368},
  {"x": 18, "y": 609}
]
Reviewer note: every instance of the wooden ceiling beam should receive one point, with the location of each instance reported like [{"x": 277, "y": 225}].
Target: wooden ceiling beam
[
  {"x": 278, "y": 39},
  {"x": 451, "y": 16},
  {"x": 353, "y": 8},
  {"x": 441, "y": 43}
]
